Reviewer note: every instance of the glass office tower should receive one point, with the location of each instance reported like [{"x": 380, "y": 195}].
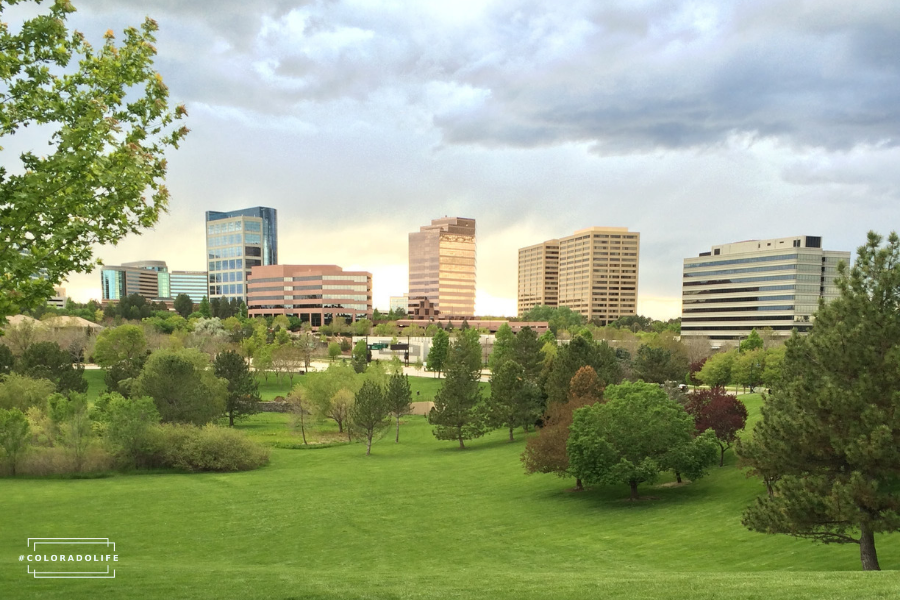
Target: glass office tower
[
  {"x": 442, "y": 266},
  {"x": 237, "y": 241}
]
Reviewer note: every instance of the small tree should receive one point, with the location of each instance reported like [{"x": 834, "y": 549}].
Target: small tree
[
  {"x": 184, "y": 306},
  {"x": 323, "y": 388},
  {"x": 300, "y": 408},
  {"x": 242, "y": 395},
  {"x": 21, "y": 392},
  {"x": 7, "y": 360},
  {"x": 514, "y": 401},
  {"x": 723, "y": 413},
  {"x": 637, "y": 433},
  {"x": 128, "y": 423},
  {"x": 457, "y": 413},
  {"x": 73, "y": 424},
  {"x": 716, "y": 371},
  {"x": 14, "y": 436},
  {"x": 359, "y": 359},
  {"x": 122, "y": 343},
  {"x": 369, "y": 412},
  {"x": 334, "y": 350},
  {"x": 437, "y": 355},
  {"x": 504, "y": 347},
  {"x": 398, "y": 397},
  {"x": 339, "y": 410}
]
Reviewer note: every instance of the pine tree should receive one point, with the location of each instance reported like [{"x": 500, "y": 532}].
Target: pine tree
[
  {"x": 514, "y": 401},
  {"x": 437, "y": 355},
  {"x": 369, "y": 412},
  {"x": 204, "y": 308},
  {"x": 504, "y": 342},
  {"x": 828, "y": 443},
  {"x": 457, "y": 412},
  {"x": 527, "y": 352},
  {"x": 398, "y": 397},
  {"x": 243, "y": 389}
]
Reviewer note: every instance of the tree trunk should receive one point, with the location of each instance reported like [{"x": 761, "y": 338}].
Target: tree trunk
[
  {"x": 677, "y": 476},
  {"x": 461, "y": 445},
  {"x": 510, "y": 435},
  {"x": 398, "y": 429},
  {"x": 579, "y": 487},
  {"x": 769, "y": 489},
  {"x": 867, "y": 548},
  {"x": 721, "y": 455},
  {"x": 231, "y": 418},
  {"x": 340, "y": 425},
  {"x": 634, "y": 494},
  {"x": 303, "y": 431},
  {"x": 369, "y": 444}
]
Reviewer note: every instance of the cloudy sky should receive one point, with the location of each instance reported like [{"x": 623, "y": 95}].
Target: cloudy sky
[{"x": 694, "y": 123}]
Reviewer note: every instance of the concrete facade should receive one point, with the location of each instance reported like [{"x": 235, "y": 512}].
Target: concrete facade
[{"x": 442, "y": 265}]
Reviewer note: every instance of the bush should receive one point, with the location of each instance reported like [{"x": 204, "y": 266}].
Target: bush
[
  {"x": 19, "y": 391},
  {"x": 60, "y": 461},
  {"x": 209, "y": 448},
  {"x": 126, "y": 425}
]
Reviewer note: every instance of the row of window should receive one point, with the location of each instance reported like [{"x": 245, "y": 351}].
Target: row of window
[
  {"x": 740, "y": 261},
  {"x": 230, "y": 226},
  {"x": 226, "y": 277},
  {"x": 738, "y": 299},
  {"x": 233, "y": 288}
]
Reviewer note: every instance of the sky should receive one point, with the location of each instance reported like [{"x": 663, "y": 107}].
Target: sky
[{"x": 694, "y": 123}]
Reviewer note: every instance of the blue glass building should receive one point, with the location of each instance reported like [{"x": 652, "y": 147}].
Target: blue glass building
[{"x": 237, "y": 241}]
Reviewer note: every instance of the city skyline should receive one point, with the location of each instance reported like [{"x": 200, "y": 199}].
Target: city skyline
[{"x": 692, "y": 123}]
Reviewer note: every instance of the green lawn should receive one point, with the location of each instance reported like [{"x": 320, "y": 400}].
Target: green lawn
[{"x": 420, "y": 519}]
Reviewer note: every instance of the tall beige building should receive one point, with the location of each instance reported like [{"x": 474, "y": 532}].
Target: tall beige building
[
  {"x": 442, "y": 266},
  {"x": 597, "y": 273},
  {"x": 538, "y": 276}
]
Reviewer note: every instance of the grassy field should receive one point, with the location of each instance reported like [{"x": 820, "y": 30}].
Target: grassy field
[{"x": 420, "y": 519}]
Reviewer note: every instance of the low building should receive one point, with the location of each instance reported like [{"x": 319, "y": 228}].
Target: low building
[
  {"x": 316, "y": 294},
  {"x": 757, "y": 284},
  {"x": 191, "y": 283},
  {"x": 490, "y": 325},
  {"x": 58, "y": 299}
]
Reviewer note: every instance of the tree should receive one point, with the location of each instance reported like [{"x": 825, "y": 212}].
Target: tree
[
  {"x": 307, "y": 344},
  {"x": 748, "y": 367},
  {"x": 398, "y": 398},
  {"x": 339, "y": 410},
  {"x": 370, "y": 412},
  {"x": 122, "y": 343},
  {"x": 242, "y": 396},
  {"x": 70, "y": 418},
  {"x": 46, "y": 360},
  {"x": 753, "y": 342},
  {"x": 14, "y": 436},
  {"x": 184, "y": 306},
  {"x": 323, "y": 388},
  {"x": 723, "y": 413},
  {"x": 205, "y": 309},
  {"x": 21, "y": 392},
  {"x": 262, "y": 360},
  {"x": 437, "y": 355},
  {"x": 633, "y": 436},
  {"x": 334, "y": 350},
  {"x": 108, "y": 124},
  {"x": 716, "y": 371},
  {"x": 504, "y": 343},
  {"x": 546, "y": 453},
  {"x": 657, "y": 365},
  {"x": 514, "y": 401},
  {"x": 527, "y": 352},
  {"x": 128, "y": 422},
  {"x": 830, "y": 431},
  {"x": 574, "y": 355},
  {"x": 360, "y": 357},
  {"x": 183, "y": 387},
  {"x": 300, "y": 407},
  {"x": 558, "y": 318},
  {"x": 457, "y": 413}
]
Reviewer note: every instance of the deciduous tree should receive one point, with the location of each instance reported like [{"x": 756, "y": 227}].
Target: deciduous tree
[
  {"x": 14, "y": 436},
  {"x": 723, "y": 413},
  {"x": 633, "y": 436}
]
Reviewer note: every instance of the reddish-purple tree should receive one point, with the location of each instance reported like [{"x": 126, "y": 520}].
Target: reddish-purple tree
[{"x": 717, "y": 410}]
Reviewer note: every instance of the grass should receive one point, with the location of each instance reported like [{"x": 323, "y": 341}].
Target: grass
[{"x": 416, "y": 520}]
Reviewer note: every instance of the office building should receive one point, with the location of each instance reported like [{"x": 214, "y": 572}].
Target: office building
[
  {"x": 595, "y": 274},
  {"x": 398, "y": 302},
  {"x": 735, "y": 288},
  {"x": 316, "y": 294},
  {"x": 237, "y": 241},
  {"x": 538, "y": 276},
  {"x": 192, "y": 283},
  {"x": 442, "y": 265},
  {"x": 58, "y": 299},
  {"x": 148, "y": 278}
]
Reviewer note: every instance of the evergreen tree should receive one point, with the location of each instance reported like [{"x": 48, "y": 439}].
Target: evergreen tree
[
  {"x": 574, "y": 355},
  {"x": 457, "y": 413},
  {"x": 504, "y": 347},
  {"x": 204, "y": 308},
  {"x": 184, "y": 306},
  {"x": 829, "y": 439},
  {"x": 46, "y": 360},
  {"x": 369, "y": 412},
  {"x": 398, "y": 397},
  {"x": 514, "y": 401},
  {"x": 243, "y": 389},
  {"x": 527, "y": 352}
]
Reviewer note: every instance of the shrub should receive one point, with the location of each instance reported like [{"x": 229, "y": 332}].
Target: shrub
[
  {"x": 209, "y": 448},
  {"x": 126, "y": 426},
  {"x": 19, "y": 391}
]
